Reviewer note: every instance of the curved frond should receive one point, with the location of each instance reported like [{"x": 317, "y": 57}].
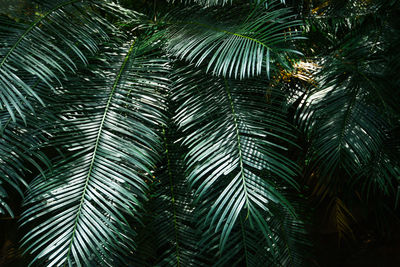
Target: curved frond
[
  {"x": 346, "y": 128},
  {"x": 379, "y": 176},
  {"x": 107, "y": 123},
  {"x": 286, "y": 245},
  {"x": 231, "y": 48},
  {"x": 349, "y": 136},
  {"x": 19, "y": 150},
  {"x": 236, "y": 142}
]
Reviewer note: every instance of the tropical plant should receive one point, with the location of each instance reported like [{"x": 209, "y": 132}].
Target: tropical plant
[{"x": 194, "y": 133}]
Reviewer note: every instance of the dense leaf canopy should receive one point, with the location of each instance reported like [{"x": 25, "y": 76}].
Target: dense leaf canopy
[{"x": 198, "y": 132}]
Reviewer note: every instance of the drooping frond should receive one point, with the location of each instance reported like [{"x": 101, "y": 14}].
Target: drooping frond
[
  {"x": 341, "y": 218},
  {"x": 293, "y": 241},
  {"x": 236, "y": 142},
  {"x": 231, "y": 47},
  {"x": 19, "y": 150},
  {"x": 379, "y": 176},
  {"x": 348, "y": 129},
  {"x": 45, "y": 48},
  {"x": 107, "y": 122},
  {"x": 246, "y": 246},
  {"x": 350, "y": 135},
  {"x": 169, "y": 236}
]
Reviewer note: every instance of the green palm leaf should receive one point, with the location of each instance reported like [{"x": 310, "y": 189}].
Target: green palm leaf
[
  {"x": 286, "y": 245},
  {"x": 380, "y": 174},
  {"x": 235, "y": 143},
  {"x": 233, "y": 49},
  {"x": 347, "y": 130},
  {"x": 107, "y": 119},
  {"x": 19, "y": 149}
]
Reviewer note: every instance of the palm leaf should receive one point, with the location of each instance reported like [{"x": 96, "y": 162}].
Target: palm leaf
[
  {"x": 107, "y": 121},
  {"x": 286, "y": 245},
  {"x": 235, "y": 143},
  {"x": 350, "y": 137},
  {"x": 229, "y": 48},
  {"x": 379, "y": 176},
  {"x": 170, "y": 212},
  {"x": 20, "y": 149},
  {"x": 345, "y": 126}
]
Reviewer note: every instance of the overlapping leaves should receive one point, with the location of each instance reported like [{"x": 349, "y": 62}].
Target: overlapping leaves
[
  {"x": 20, "y": 152},
  {"x": 45, "y": 48}
]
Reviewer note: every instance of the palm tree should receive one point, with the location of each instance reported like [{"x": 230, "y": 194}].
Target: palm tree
[{"x": 192, "y": 133}]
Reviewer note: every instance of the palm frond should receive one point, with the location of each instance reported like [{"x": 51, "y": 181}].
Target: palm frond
[
  {"x": 107, "y": 123},
  {"x": 292, "y": 236},
  {"x": 20, "y": 149},
  {"x": 349, "y": 130},
  {"x": 236, "y": 142},
  {"x": 245, "y": 247},
  {"x": 350, "y": 136},
  {"x": 379, "y": 176},
  {"x": 231, "y": 48}
]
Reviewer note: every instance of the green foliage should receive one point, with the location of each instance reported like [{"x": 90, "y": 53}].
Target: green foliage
[
  {"x": 232, "y": 47},
  {"x": 189, "y": 133}
]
